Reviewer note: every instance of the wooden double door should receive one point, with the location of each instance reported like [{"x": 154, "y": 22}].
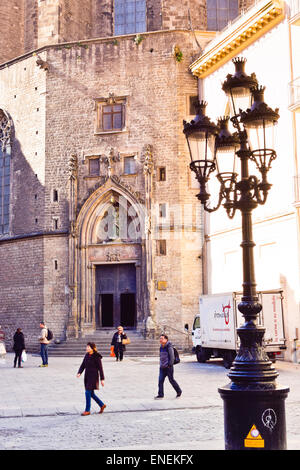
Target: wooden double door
[{"x": 115, "y": 295}]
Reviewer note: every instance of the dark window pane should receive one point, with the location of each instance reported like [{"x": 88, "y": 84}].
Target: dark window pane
[
  {"x": 140, "y": 6},
  {"x": 130, "y": 28},
  {"x": 119, "y": 30},
  {"x": 193, "y": 102},
  {"x": 129, "y": 165},
  {"x": 94, "y": 167},
  {"x": 140, "y": 27},
  {"x": 107, "y": 125},
  {"x": 233, "y": 5},
  {"x": 222, "y": 24},
  {"x": 223, "y": 4},
  {"x": 117, "y": 121},
  {"x": 212, "y": 24},
  {"x": 162, "y": 174}
]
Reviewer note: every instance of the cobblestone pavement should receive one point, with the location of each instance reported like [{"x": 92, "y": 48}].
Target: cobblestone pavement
[{"x": 40, "y": 407}]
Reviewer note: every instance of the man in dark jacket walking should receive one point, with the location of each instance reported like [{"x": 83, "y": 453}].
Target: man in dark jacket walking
[{"x": 166, "y": 367}]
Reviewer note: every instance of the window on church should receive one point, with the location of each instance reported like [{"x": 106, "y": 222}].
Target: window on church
[
  {"x": 110, "y": 114},
  {"x": 162, "y": 210},
  {"x": 112, "y": 117},
  {"x": 129, "y": 165},
  {"x": 94, "y": 166},
  {"x": 130, "y": 16},
  {"x": 162, "y": 173},
  {"x": 5, "y": 162},
  {"x": 220, "y": 13},
  {"x": 161, "y": 247}
]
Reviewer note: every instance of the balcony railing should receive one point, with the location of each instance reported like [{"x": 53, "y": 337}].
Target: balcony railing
[
  {"x": 295, "y": 12},
  {"x": 294, "y": 95}
]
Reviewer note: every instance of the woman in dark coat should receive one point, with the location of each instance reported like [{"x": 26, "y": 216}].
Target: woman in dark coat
[
  {"x": 116, "y": 342},
  {"x": 19, "y": 346},
  {"x": 92, "y": 365}
]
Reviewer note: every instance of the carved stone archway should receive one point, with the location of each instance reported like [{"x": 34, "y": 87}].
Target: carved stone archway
[{"x": 109, "y": 230}]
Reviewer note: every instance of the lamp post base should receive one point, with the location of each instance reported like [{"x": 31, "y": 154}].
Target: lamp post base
[{"x": 254, "y": 418}]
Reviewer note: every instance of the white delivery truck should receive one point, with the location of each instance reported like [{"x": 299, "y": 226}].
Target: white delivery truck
[{"x": 214, "y": 330}]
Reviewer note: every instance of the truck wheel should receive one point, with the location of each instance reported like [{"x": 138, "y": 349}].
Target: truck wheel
[
  {"x": 201, "y": 354},
  {"x": 272, "y": 356},
  {"x": 228, "y": 358}
]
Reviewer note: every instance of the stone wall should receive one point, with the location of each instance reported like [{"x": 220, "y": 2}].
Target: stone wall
[
  {"x": 11, "y": 29},
  {"x": 22, "y": 289}
]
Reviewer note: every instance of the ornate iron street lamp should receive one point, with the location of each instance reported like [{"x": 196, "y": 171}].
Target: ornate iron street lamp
[{"x": 254, "y": 410}]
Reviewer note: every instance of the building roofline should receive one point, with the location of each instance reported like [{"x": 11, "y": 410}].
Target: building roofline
[
  {"x": 237, "y": 36},
  {"x": 82, "y": 43}
]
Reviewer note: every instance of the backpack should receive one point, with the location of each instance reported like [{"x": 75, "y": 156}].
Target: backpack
[
  {"x": 176, "y": 356},
  {"x": 49, "y": 335}
]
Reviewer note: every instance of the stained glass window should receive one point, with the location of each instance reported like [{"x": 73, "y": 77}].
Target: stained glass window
[
  {"x": 220, "y": 13},
  {"x": 130, "y": 16},
  {"x": 5, "y": 154}
]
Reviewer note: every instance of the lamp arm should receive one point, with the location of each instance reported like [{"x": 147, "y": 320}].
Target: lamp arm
[
  {"x": 261, "y": 189},
  {"x": 221, "y": 197}
]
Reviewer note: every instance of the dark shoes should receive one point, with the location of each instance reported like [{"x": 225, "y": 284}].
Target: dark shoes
[
  {"x": 178, "y": 394},
  {"x": 158, "y": 397}
]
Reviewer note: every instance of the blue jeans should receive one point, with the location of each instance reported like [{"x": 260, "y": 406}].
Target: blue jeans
[
  {"x": 91, "y": 394},
  {"x": 163, "y": 373},
  {"x": 44, "y": 353}
]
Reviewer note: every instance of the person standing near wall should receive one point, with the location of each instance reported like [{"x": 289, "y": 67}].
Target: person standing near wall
[
  {"x": 19, "y": 346},
  {"x": 44, "y": 344}
]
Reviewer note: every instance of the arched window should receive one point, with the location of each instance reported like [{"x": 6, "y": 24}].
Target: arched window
[
  {"x": 220, "y": 13},
  {"x": 5, "y": 157},
  {"x": 130, "y": 16}
]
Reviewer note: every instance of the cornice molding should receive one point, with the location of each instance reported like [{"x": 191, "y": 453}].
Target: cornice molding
[{"x": 239, "y": 35}]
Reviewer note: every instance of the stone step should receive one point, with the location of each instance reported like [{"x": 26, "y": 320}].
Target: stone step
[{"x": 139, "y": 346}]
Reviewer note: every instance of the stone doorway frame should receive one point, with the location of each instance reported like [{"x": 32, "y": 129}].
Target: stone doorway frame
[{"x": 85, "y": 254}]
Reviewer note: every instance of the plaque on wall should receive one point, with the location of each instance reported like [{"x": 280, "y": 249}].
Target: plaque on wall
[{"x": 162, "y": 285}]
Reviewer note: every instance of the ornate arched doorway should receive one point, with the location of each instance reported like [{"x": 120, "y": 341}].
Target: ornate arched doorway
[{"x": 110, "y": 261}]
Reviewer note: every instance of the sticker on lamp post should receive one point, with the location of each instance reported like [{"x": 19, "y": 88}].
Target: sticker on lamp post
[
  {"x": 269, "y": 419},
  {"x": 254, "y": 438}
]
